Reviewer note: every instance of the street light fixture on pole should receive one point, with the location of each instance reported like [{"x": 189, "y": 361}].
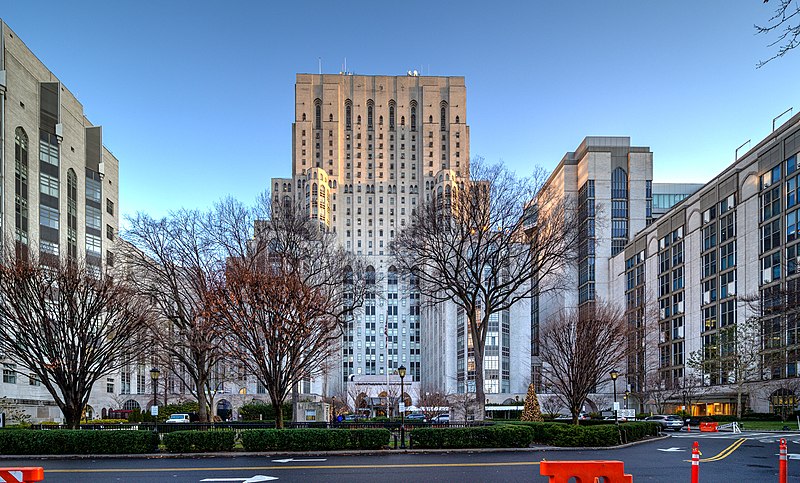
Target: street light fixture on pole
[
  {"x": 625, "y": 398},
  {"x": 154, "y": 374},
  {"x": 401, "y": 371},
  {"x": 614, "y": 376}
]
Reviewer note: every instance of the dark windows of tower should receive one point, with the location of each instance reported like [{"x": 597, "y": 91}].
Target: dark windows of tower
[
  {"x": 21, "y": 185},
  {"x": 317, "y": 114},
  {"x": 370, "y": 113}
]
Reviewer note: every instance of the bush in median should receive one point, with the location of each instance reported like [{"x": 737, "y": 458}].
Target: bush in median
[
  {"x": 313, "y": 439},
  {"x": 558, "y": 434},
  {"x": 68, "y": 441},
  {"x": 500, "y": 436},
  {"x": 198, "y": 441}
]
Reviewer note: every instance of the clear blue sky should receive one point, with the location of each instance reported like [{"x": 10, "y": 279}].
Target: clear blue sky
[{"x": 196, "y": 97}]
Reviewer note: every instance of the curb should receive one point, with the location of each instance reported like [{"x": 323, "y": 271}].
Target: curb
[{"x": 242, "y": 454}]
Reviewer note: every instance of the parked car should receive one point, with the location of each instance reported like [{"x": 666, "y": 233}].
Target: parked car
[
  {"x": 672, "y": 422},
  {"x": 440, "y": 419},
  {"x": 416, "y": 417},
  {"x": 696, "y": 420},
  {"x": 179, "y": 418}
]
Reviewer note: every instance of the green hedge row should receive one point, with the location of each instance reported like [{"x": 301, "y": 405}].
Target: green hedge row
[
  {"x": 67, "y": 441},
  {"x": 313, "y": 439},
  {"x": 199, "y": 441},
  {"x": 499, "y": 436},
  {"x": 557, "y": 434}
]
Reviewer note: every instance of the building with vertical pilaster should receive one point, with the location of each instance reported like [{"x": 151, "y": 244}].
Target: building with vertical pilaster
[
  {"x": 60, "y": 192},
  {"x": 367, "y": 150}
]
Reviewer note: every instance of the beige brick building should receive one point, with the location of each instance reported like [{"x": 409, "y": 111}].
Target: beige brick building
[
  {"x": 60, "y": 189},
  {"x": 366, "y": 151}
]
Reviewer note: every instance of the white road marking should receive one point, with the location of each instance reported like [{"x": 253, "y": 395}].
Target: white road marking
[
  {"x": 252, "y": 479},
  {"x": 670, "y": 449},
  {"x": 289, "y": 460}
]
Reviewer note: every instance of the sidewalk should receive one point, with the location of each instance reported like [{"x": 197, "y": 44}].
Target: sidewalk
[{"x": 245, "y": 454}]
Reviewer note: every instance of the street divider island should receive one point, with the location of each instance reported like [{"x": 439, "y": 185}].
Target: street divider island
[{"x": 126, "y": 440}]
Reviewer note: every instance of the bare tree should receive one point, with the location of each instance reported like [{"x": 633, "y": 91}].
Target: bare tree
[
  {"x": 430, "y": 401},
  {"x": 358, "y": 396},
  {"x": 655, "y": 393},
  {"x": 579, "y": 348},
  {"x": 551, "y": 405},
  {"x": 480, "y": 243},
  {"x": 464, "y": 405},
  {"x": 285, "y": 296},
  {"x": 174, "y": 264},
  {"x": 732, "y": 358},
  {"x": 68, "y": 325},
  {"x": 785, "y": 24}
]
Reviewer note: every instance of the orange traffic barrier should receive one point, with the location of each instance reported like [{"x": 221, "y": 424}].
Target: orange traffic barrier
[
  {"x": 584, "y": 471},
  {"x": 709, "y": 427},
  {"x": 783, "y": 470},
  {"x": 22, "y": 474},
  {"x": 695, "y": 463}
]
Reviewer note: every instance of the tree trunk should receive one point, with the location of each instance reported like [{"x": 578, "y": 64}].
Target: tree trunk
[
  {"x": 277, "y": 407},
  {"x": 202, "y": 401},
  {"x": 294, "y": 403},
  {"x": 72, "y": 414},
  {"x": 480, "y": 392},
  {"x": 739, "y": 403}
]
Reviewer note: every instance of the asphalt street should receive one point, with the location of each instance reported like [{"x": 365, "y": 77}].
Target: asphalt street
[{"x": 725, "y": 458}]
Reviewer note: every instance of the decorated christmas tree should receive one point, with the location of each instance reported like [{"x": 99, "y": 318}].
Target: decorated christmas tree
[{"x": 532, "y": 411}]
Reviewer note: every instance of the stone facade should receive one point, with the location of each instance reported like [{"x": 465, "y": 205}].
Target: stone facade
[
  {"x": 47, "y": 144},
  {"x": 732, "y": 239}
]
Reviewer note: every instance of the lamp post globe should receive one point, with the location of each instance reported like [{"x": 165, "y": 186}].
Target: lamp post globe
[
  {"x": 154, "y": 375},
  {"x": 401, "y": 371},
  {"x": 614, "y": 375}
]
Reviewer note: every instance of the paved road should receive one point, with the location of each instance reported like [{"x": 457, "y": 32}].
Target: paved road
[{"x": 726, "y": 458}]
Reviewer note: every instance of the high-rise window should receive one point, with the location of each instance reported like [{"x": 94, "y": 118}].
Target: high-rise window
[
  {"x": 391, "y": 115},
  {"x": 370, "y": 114},
  {"x": 348, "y": 114},
  {"x": 317, "y": 114},
  {"x": 443, "y": 119},
  {"x": 21, "y": 185},
  {"x": 619, "y": 210}
]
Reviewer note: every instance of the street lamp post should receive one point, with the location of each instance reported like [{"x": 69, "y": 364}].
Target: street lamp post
[
  {"x": 614, "y": 376},
  {"x": 685, "y": 393},
  {"x": 402, "y": 372},
  {"x": 625, "y": 398},
  {"x": 154, "y": 374}
]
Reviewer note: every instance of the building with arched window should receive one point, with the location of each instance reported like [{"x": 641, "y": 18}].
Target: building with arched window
[
  {"x": 363, "y": 180},
  {"x": 62, "y": 191}
]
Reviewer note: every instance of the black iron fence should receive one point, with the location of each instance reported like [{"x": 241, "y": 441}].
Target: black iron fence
[{"x": 163, "y": 428}]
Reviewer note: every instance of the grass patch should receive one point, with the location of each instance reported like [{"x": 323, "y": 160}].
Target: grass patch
[{"x": 768, "y": 425}]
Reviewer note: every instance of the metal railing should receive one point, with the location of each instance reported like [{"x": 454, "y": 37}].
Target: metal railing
[{"x": 163, "y": 428}]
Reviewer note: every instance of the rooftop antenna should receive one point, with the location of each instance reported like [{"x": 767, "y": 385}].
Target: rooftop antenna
[
  {"x": 736, "y": 153},
  {"x": 319, "y": 60},
  {"x": 780, "y": 116},
  {"x": 345, "y": 65}
]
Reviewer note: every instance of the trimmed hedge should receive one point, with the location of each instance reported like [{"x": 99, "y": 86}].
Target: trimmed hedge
[
  {"x": 557, "y": 434},
  {"x": 500, "y": 436},
  {"x": 70, "y": 441},
  {"x": 199, "y": 441},
  {"x": 313, "y": 439}
]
